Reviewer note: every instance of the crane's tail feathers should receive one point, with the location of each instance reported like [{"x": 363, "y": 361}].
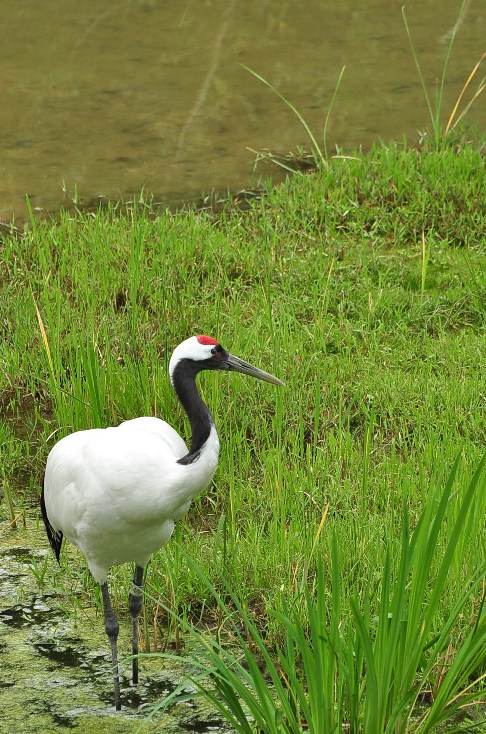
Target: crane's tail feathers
[{"x": 55, "y": 536}]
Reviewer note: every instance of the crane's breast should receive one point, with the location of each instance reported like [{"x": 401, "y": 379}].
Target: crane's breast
[
  {"x": 116, "y": 492},
  {"x": 123, "y": 482}
]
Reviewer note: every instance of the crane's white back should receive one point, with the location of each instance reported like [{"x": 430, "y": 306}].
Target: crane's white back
[{"x": 116, "y": 492}]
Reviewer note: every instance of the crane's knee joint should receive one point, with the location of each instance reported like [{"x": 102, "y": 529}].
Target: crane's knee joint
[
  {"x": 111, "y": 625},
  {"x": 135, "y": 600}
]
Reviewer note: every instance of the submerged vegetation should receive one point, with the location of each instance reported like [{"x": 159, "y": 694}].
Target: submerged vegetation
[{"x": 362, "y": 287}]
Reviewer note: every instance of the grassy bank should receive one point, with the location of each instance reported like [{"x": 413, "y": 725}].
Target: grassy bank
[{"x": 361, "y": 286}]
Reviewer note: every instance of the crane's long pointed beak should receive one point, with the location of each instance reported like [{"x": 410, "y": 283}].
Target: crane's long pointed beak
[{"x": 238, "y": 365}]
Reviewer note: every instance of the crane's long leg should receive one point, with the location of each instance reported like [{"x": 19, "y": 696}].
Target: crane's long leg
[
  {"x": 111, "y": 629},
  {"x": 135, "y": 600}
]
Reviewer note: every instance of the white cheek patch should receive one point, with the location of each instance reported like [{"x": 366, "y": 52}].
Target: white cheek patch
[{"x": 191, "y": 348}]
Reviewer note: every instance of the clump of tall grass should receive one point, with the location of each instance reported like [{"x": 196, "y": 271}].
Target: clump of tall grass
[
  {"x": 8, "y": 444},
  {"x": 380, "y": 663},
  {"x": 435, "y": 107},
  {"x": 15, "y": 457},
  {"x": 319, "y": 150}
]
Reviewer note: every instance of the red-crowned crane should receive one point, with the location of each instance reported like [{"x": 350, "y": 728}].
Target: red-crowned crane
[{"x": 117, "y": 492}]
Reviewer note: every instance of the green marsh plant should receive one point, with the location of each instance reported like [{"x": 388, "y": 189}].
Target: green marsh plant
[
  {"x": 39, "y": 569},
  {"x": 435, "y": 106},
  {"x": 10, "y": 459},
  {"x": 382, "y": 668},
  {"x": 77, "y": 389},
  {"x": 7, "y": 497},
  {"x": 319, "y": 150}
]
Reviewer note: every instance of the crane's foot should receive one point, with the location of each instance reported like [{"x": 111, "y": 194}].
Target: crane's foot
[
  {"x": 135, "y": 602},
  {"x": 112, "y": 629}
]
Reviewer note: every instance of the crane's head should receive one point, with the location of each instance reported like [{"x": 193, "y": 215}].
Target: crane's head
[{"x": 204, "y": 353}]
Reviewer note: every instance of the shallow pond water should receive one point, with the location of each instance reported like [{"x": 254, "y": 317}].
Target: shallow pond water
[
  {"x": 104, "y": 100},
  {"x": 55, "y": 673}
]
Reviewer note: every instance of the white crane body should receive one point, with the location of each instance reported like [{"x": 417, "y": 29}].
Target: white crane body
[{"x": 116, "y": 492}]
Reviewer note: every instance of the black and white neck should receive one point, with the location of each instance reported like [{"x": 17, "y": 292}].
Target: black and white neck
[
  {"x": 183, "y": 378},
  {"x": 188, "y": 359}
]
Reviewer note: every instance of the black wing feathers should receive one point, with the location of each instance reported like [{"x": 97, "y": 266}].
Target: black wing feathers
[{"x": 55, "y": 536}]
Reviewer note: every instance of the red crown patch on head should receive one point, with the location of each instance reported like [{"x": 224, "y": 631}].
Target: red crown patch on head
[{"x": 206, "y": 339}]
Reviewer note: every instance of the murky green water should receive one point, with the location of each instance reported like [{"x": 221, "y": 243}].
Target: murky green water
[
  {"x": 55, "y": 673},
  {"x": 113, "y": 98}
]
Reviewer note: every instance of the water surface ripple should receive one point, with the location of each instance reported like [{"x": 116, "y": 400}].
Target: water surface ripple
[{"x": 106, "y": 100}]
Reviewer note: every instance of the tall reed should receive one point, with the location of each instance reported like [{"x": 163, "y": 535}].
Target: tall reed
[
  {"x": 435, "y": 107},
  {"x": 375, "y": 663}
]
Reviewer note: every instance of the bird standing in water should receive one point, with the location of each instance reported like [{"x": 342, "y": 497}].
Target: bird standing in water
[{"x": 117, "y": 492}]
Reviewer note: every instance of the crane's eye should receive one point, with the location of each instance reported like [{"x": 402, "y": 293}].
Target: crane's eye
[{"x": 214, "y": 350}]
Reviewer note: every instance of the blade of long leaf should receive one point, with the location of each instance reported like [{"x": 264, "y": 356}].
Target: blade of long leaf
[
  {"x": 317, "y": 151},
  {"x": 463, "y": 90}
]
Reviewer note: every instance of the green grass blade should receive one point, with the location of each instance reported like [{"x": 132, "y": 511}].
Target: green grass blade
[{"x": 318, "y": 153}]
